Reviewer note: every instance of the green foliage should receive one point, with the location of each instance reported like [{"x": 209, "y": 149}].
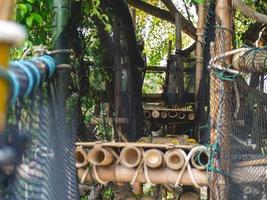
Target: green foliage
[
  {"x": 156, "y": 34},
  {"x": 84, "y": 197},
  {"x": 36, "y": 17},
  {"x": 199, "y": 1},
  {"x": 107, "y": 193},
  {"x": 242, "y": 23}
]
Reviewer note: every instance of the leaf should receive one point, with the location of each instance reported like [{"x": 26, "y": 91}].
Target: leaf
[
  {"x": 22, "y": 8},
  {"x": 38, "y": 18},
  {"x": 29, "y": 7},
  {"x": 31, "y": 1},
  {"x": 29, "y": 21}
]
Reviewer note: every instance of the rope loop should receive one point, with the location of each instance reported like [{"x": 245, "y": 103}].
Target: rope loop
[
  {"x": 35, "y": 70},
  {"x": 188, "y": 167},
  {"x": 11, "y": 77},
  {"x": 97, "y": 176},
  {"x": 49, "y": 63},
  {"x": 29, "y": 77}
]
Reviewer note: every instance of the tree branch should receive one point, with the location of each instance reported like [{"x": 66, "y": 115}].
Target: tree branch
[
  {"x": 152, "y": 10},
  {"x": 249, "y": 12},
  {"x": 187, "y": 26}
]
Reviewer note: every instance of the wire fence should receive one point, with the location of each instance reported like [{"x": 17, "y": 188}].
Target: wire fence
[
  {"x": 42, "y": 126},
  {"x": 238, "y": 127}
]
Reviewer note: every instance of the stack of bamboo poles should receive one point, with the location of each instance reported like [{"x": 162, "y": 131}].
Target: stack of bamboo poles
[
  {"x": 142, "y": 163},
  {"x": 179, "y": 114},
  {"x": 138, "y": 163}
]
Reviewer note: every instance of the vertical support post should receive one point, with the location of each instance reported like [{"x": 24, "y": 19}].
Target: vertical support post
[
  {"x": 220, "y": 102},
  {"x": 5, "y": 14},
  {"x": 199, "y": 79},
  {"x": 62, "y": 14},
  {"x": 179, "y": 62}
]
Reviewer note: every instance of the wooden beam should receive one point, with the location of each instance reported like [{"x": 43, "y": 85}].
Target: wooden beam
[
  {"x": 172, "y": 8},
  {"x": 179, "y": 61},
  {"x": 187, "y": 26},
  {"x": 152, "y": 10},
  {"x": 156, "y": 69}
]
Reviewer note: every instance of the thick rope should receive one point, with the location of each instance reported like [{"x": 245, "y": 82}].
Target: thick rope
[{"x": 188, "y": 166}]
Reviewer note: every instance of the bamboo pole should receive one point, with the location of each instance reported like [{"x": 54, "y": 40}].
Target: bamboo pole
[
  {"x": 130, "y": 156},
  {"x": 81, "y": 160},
  {"x": 220, "y": 89},
  {"x": 153, "y": 158},
  {"x": 155, "y": 114},
  {"x": 132, "y": 144},
  {"x": 119, "y": 173},
  {"x": 5, "y": 14},
  {"x": 191, "y": 116},
  {"x": 174, "y": 159},
  {"x": 100, "y": 156},
  {"x": 163, "y": 114},
  {"x": 202, "y": 13}
]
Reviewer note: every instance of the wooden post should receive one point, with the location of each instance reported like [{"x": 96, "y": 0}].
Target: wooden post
[
  {"x": 199, "y": 79},
  {"x": 179, "y": 62},
  {"x": 5, "y": 14},
  {"x": 220, "y": 102}
]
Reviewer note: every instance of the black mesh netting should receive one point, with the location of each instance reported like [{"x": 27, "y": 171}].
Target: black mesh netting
[
  {"x": 238, "y": 131},
  {"x": 49, "y": 124}
]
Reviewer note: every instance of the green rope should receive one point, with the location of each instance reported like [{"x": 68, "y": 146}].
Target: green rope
[
  {"x": 224, "y": 76},
  {"x": 213, "y": 150}
]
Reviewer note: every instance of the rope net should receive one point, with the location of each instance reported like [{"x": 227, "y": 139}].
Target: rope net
[
  {"x": 42, "y": 127},
  {"x": 238, "y": 124}
]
